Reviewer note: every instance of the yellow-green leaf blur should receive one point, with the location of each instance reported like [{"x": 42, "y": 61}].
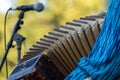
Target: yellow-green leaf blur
[{"x": 37, "y": 24}]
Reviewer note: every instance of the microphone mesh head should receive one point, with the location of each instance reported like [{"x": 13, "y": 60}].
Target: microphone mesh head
[{"x": 38, "y": 7}]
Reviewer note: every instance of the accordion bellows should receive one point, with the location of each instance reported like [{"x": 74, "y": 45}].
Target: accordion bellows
[{"x": 55, "y": 55}]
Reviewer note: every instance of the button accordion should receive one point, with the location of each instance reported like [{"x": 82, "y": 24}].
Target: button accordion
[{"x": 55, "y": 55}]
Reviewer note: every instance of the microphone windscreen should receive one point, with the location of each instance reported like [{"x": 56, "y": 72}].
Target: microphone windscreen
[{"x": 38, "y": 7}]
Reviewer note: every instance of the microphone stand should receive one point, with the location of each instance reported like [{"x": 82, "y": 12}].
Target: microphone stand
[{"x": 15, "y": 30}]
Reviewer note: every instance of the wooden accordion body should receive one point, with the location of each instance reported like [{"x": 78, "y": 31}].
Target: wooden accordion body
[{"x": 55, "y": 55}]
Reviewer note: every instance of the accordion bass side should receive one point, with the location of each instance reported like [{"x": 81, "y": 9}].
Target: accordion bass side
[{"x": 55, "y": 55}]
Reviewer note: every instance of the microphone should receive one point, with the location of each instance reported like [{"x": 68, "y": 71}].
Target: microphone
[{"x": 37, "y": 7}]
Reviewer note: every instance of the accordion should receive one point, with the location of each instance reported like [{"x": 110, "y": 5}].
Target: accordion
[{"x": 55, "y": 55}]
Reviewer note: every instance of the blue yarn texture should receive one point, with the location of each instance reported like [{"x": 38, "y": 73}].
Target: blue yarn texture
[{"x": 103, "y": 62}]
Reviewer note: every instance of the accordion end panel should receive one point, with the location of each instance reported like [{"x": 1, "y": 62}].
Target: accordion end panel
[{"x": 39, "y": 67}]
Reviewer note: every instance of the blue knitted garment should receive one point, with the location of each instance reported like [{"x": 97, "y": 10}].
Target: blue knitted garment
[{"x": 103, "y": 62}]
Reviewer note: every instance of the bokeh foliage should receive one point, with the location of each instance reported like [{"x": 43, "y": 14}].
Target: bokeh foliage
[{"x": 56, "y": 13}]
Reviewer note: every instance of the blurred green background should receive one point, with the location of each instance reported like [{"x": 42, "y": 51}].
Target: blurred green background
[{"x": 56, "y": 13}]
